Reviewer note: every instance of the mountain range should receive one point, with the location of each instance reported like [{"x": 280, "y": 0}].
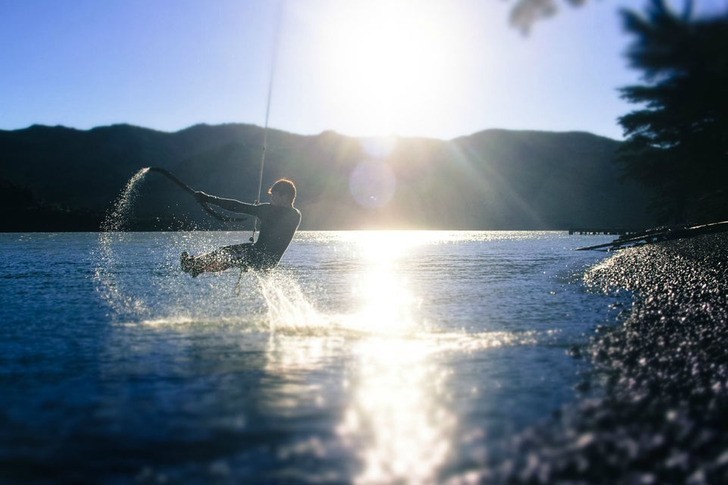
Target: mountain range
[{"x": 58, "y": 178}]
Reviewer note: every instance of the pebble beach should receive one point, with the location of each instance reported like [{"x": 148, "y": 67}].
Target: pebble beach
[{"x": 654, "y": 409}]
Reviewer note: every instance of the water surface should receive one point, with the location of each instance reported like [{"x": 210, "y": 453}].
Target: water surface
[{"x": 365, "y": 357}]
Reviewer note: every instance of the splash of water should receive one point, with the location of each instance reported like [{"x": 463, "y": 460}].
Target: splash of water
[
  {"x": 115, "y": 221},
  {"x": 116, "y": 218},
  {"x": 288, "y": 308}
]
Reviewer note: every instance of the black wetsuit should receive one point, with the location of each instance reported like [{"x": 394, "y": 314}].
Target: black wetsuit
[{"x": 278, "y": 224}]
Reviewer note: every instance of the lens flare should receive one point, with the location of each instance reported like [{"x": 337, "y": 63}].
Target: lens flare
[{"x": 372, "y": 184}]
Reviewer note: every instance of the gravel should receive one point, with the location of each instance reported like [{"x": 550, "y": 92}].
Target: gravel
[{"x": 655, "y": 407}]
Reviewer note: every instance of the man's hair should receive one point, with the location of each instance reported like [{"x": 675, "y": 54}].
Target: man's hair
[{"x": 284, "y": 187}]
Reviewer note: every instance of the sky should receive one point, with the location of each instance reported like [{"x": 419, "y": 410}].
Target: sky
[{"x": 426, "y": 68}]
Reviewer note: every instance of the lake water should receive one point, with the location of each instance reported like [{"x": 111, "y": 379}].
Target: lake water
[{"x": 369, "y": 357}]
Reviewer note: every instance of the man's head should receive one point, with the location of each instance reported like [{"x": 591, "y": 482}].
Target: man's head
[{"x": 283, "y": 192}]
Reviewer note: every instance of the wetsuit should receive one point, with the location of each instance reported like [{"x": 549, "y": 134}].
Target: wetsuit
[{"x": 277, "y": 226}]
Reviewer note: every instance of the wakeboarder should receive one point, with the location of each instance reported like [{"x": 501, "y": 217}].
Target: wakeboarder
[{"x": 279, "y": 221}]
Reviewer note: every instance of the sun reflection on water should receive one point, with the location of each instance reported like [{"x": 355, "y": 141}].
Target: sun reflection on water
[
  {"x": 397, "y": 421},
  {"x": 393, "y": 401},
  {"x": 386, "y": 303}
]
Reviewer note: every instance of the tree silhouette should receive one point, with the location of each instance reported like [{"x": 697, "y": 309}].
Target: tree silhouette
[{"x": 678, "y": 143}]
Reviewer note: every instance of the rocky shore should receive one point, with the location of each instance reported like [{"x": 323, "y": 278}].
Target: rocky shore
[{"x": 655, "y": 408}]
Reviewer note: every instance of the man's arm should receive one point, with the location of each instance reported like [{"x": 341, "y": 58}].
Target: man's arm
[{"x": 227, "y": 204}]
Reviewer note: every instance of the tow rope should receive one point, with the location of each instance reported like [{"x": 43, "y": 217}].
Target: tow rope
[
  {"x": 206, "y": 207},
  {"x": 271, "y": 79}
]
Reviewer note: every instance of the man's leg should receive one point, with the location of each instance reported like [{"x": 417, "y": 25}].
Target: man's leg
[{"x": 218, "y": 260}]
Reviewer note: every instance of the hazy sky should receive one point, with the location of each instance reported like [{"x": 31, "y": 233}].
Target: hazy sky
[{"x": 434, "y": 68}]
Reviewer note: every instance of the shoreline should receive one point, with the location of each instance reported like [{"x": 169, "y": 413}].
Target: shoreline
[{"x": 656, "y": 413}]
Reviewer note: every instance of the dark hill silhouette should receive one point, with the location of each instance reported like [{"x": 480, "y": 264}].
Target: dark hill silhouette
[{"x": 495, "y": 179}]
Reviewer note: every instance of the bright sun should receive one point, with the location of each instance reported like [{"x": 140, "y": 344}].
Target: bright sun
[{"x": 392, "y": 66}]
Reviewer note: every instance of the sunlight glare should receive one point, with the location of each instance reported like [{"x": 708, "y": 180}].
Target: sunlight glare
[
  {"x": 391, "y": 63},
  {"x": 386, "y": 302},
  {"x": 384, "y": 247},
  {"x": 397, "y": 420}
]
